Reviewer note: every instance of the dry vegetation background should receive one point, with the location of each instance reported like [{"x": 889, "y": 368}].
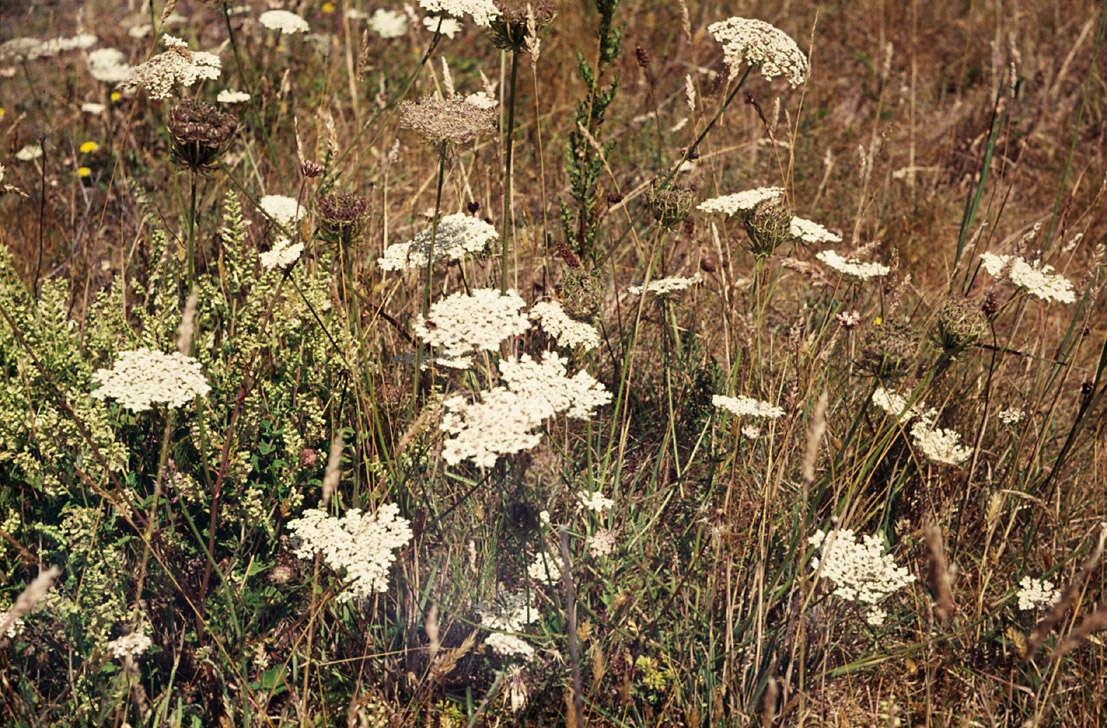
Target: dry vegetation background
[{"x": 710, "y": 581}]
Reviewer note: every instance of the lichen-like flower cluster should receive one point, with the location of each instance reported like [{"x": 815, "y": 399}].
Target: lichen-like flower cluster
[
  {"x": 176, "y": 65},
  {"x": 285, "y": 21},
  {"x": 361, "y": 545},
  {"x": 666, "y": 286},
  {"x": 757, "y": 43},
  {"x": 1038, "y": 279},
  {"x": 1035, "y": 594},
  {"x": 131, "y": 645},
  {"x": 859, "y": 570},
  {"x": 456, "y": 235},
  {"x": 506, "y": 419},
  {"x": 567, "y": 331},
  {"x": 852, "y": 267},
  {"x": 462, "y": 323},
  {"x": 141, "y": 378},
  {"x": 743, "y": 406}
]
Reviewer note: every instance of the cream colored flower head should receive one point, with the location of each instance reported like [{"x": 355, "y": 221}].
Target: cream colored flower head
[
  {"x": 284, "y": 21},
  {"x": 761, "y": 45},
  {"x": 141, "y": 378}
]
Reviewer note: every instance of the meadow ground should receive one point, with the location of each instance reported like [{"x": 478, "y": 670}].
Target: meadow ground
[{"x": 607, "y": 362}]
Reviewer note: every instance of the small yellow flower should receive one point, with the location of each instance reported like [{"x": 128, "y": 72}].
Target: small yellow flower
[
  {"x": 2, "y": 112},
  {"x": 115, "y": 96},
  {"x": 877, "y": 321},
  {"x": 328, "y": 7},
  {"x": 83, "y": 171},
  {"x": 89, "y": 147}
]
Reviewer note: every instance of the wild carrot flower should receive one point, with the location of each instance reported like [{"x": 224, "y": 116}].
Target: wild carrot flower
[
  {"x": 508, "y": 613},
  {"x": 281, "y": 208},
  {"x": 281, "y": 255},
  {"x": 29, "y": 153},
  {"x": 565, "y": 330},
  {"x": 666, "y": 286},
  {"x": 851, "y": 266},
  {"x": 177, "y": 64},
  {"x": 229, "y": 96},
  {"x": 1035, "y": 594},
  {"x": 1011, "y": 416},
  {"x": 595, "y": 500},
  {"x": 361, "y": 545},
  {"x": 108, "y": 65},
  {"x": 481, "y": 11},
  {"x": 759, "y": 44},
  {"x": 860, "y": 571},
  {"x": 131, "y": 645},
  {"x": 456, "y": 235},
  {"x": 446, "y": 26},
  {"x": 811, "y": 232},
  {"x": 743, "y": 406},
  {"x": 894, "y": 404},
  {"x": 462, "y": 323},
  {"x": 740, "y": 201},
  {"x": 143, "y": 377},
  {"x": 938, "y": 444},
  {"x": 601, "y": 543},
  {"x": 1039, "y": 280},
  {"x": 284, "y": 21},
  {"x": 388, "y": 23}
]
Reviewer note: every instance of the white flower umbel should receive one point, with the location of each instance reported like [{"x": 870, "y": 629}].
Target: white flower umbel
[
  {"x": 108, "y": 65},
  {"x": 938, "y": 444},
  {"x": 1035, "y": 594},
  {"x": 894, "y": 404},
  {"x": 282, "y": 209},
  {"x": 558, "y": 324},
  {"x": 362, "y": 545},
  {"x": 601, "y": 543},
  {"x": 740, "y": 201},
  {"x": 177, "y": 65},
  {"x": 595, "y": 500},
  {"x": 1011, "y": 416},
  {"x": 91, "y": 107},
  {"x": 481, "y": 11},
  {"x": 281, "y": 255},
  {"x": 545, "y": 569},
  {"x": 462, "y": 323},
  {"x": 131, "y": 645},
  {"x": 456, "y": 236},
  {"x": 1040, "y": 281},
  {"x": 481, "y": 100},
  {"x": 506, "y": 419},
  {"x": 860, "y": 571},
  {"x": 447, "y": 26},
  {"x": 29, "y": 153},
  {"x": 229, "y": 96},
  {"x": 141, "y": 378},
  {"x": 811, "y": 232},
  {"x": 511, "y": 613},
  {"x": 666, "y": 286},
  {"x": 759, "y": 44},
  {"x": 388, "y": 23},
  {"x": 547, "y": 383},
  {"x": 743, "y": 406},
  {"x": 1037, "y": 279},
  {"x": 284, "y": 21},
  {"x": 852, "y": 267}
]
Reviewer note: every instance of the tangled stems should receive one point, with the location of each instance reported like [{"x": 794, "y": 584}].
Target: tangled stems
[{"x": 507, "y": 228}]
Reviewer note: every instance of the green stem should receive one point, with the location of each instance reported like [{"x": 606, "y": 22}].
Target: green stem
[
  {"x": 507, "y": 227},
  {"x": 192, "y": 234},
  {"x": 429, "y": 280}
]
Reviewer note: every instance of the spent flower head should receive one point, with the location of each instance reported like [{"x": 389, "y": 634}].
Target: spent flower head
[
  {"x": 141, "y": 378},
  {"x": 447, "y": 120},
  {"x": 759, "y": 44},
  {"x": 340, "y": 216},
  {"x": 959, "y": 324},
  {"x": 199, "y": 132}
]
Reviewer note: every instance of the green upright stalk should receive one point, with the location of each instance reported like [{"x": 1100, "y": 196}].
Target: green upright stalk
[
  {"x": 428, "y": 282},
  {"x": 507, "y": 228},
  {"x": 192, "y": 234}
]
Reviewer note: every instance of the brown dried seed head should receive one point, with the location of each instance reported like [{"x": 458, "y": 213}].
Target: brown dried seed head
[{"x": 447, "y": 120}]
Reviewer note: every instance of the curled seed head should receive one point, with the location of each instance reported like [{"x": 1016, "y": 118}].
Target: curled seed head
[
  {"x": 960, "y": 324},
  {"x": 199, "y": 133}
]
